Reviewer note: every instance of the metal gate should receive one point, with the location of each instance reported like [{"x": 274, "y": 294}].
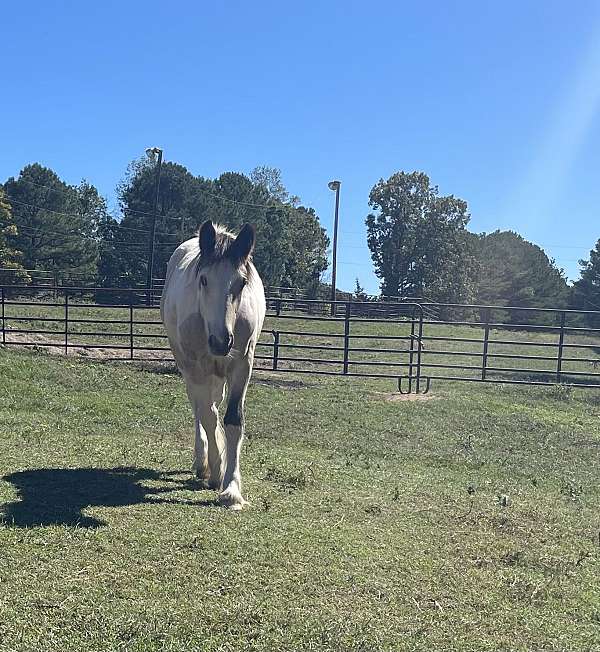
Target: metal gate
[{"x": 413, "y": 343}]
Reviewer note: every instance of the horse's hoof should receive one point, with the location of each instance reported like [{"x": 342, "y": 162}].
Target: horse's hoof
[
  {"x": 200, "y": 472},
  {"x": 232, "y": 500}
]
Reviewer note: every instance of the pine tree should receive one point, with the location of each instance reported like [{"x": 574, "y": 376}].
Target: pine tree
[
  {"x": 359, "y": 292},
  {"x": 513, "y": 271},
  {"x": 11, "y": 270},
  {"x": 586, "y": 291},
  {"x": 56, "y": 222}
]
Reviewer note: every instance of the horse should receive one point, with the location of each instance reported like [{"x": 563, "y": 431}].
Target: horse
[{"x": 213, "y": 308}]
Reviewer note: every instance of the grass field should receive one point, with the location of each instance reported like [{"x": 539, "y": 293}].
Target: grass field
[{"x": 466, "y": 522}]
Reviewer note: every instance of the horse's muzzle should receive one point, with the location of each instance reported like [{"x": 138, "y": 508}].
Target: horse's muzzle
[{"x": 219, "y": 346}]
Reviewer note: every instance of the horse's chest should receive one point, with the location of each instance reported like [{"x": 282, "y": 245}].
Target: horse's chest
[{"x": 194, "y": 357}]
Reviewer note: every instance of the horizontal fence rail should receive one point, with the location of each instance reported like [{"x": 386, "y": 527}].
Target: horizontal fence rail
[
  {"x": 411, "y": 342},
  {"x": 50, "y": 283}
]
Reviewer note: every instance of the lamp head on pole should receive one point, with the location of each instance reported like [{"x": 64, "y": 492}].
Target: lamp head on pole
[
  {"x": 334, "y": 185},
  {"x": 151, "y": 152}
]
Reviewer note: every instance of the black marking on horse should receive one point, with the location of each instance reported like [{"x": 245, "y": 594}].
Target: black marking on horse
[{"x": 235, "y": 412}]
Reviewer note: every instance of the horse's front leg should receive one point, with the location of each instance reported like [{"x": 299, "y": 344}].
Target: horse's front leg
[
  {"x": 208, "y": 441},
  {"x": 214, "y": 431},
  {"x": 237, "y": 382}
]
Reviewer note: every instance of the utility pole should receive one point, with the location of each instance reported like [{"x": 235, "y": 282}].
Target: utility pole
[
  {"x": 153, "y": 151},
  {"x": 335, "y": 186}
]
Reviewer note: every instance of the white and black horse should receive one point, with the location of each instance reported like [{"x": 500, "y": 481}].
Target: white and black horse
[{"x": 213, "y": 308}]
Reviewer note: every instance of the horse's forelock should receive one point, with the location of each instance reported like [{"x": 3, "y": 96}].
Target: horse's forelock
[{"x": 223, "y": 241}]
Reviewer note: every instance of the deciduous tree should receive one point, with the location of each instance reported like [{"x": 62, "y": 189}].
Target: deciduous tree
[{"x": 417, "y": 239}]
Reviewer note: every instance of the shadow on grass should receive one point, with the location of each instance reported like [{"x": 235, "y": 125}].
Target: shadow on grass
[{"x": 58, "y": 496}]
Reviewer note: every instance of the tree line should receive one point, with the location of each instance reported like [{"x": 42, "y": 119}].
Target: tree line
[
  {"x": 418, "y": 239},
  {"x": 421, "y": 247},
  {"x": 68, "y": 229}
]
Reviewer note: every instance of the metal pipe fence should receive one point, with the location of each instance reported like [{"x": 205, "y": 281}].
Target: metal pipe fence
[{"x": 410, "y": 342}]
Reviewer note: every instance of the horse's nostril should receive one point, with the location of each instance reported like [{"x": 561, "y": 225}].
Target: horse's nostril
[{"x": 230, "y": 342}]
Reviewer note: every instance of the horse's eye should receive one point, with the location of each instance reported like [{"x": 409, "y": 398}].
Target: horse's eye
[{"x": 203, "y": 281}]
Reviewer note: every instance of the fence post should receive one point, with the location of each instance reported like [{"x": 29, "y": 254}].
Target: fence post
[
  {"x": 131, "y": 326},
  {"x": 275, "y": 349},
  {"x": 419, "y": 348},
  {"x": 347, "y": 336},
  {"x": 486, "y": 340},
  {"x": 3, "y": 319},
  {"x": 561, "y": 342},
  {"x": 277, "y": 307},
  {"x": 411, "y": 351},
  {"x": 66, "y": 322}
]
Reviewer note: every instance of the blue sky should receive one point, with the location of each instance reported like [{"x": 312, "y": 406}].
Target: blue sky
[{"x": 497, "y": 101}]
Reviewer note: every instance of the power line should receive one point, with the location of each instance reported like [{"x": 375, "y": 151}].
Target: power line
[
  {"x": 33, "y": 230},
  {"x": 565, "y": 246},
  {"x": 66, "y": 194},
  {"x": 240, "y": 203},
  {"x": 39, "y": 185},
  {"x": 66, "y": 238},
  {"x": 133, "y": 210},
  {"x": 221, "y": 198},
  {"x": 102, "y": 243},
  {"x": 202, "y": 191},
  {"x": 48, "y": 210}
]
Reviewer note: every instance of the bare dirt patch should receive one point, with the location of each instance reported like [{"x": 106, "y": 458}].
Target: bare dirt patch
[
  {"x": 37, "y": 342},
  {"x": 154, "y": 361}
]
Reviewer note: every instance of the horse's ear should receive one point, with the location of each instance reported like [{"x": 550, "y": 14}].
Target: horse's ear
[
  {"x": 207, "y": 236},
  {"x": 243, "y": 245}
]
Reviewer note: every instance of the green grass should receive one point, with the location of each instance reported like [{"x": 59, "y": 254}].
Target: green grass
[{"x": 466, "y": 522}]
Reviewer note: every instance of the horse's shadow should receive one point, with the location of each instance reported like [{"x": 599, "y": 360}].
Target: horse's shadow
[{"x": 58, "y": 496}]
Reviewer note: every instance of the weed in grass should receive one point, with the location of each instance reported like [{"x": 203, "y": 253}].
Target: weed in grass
[
  {"x": 288, "y": 479},
  {"x": 561, "y": 392},
  {"x": 373, "y": 509},
  {"x": 571, "y": 489},
  {"x": 504, "y": 500}
]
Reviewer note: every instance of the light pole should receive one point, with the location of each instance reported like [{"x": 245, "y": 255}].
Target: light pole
[
  {"x": 152, "y": 152},
  {"x": 335, "y": 186}
]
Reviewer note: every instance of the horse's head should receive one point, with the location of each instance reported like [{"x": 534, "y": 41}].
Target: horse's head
[{"x": 222, "y": 275}]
